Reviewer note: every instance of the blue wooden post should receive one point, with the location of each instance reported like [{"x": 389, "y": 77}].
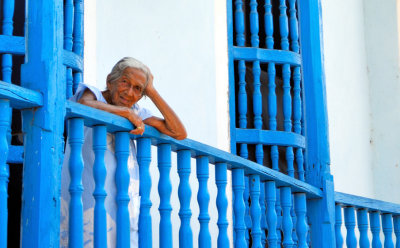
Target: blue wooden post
[
  {"x": 338, "y": 226},
  {"x": 222, "y": 204},
  {"x": 239, "y": 207},
  {"x": 396, "y": 225},
  {"x": 164, "y": 190},
  {"x": 270, "y": 191},
  {"x": 294, "y": 220},
  {"x": 287, "y": 224},
  {"x": 301, "y": 223},
  {"x": 278, "y": 209},
  {"x": 387, "y": 228},
  {"x": 78, "y": 38},
  {"x": 184, "y": 193},
  {"x": 255, "y": 210},
  {"x": 99, "y": 194},
  {"x": 122, "y": 182},
  {"x": 375, "y": 229},
  {"x": 68, "y": 29},
  {"x": 43, "y": 127},
  {"x": 263, "y": 217},
  {"x": 203, "y": 198},
  {"x": 362, "y": 222},
  {"x": 4, "y": 173},
  {"x": 247, "y": 218},
  {"x": 350, "y": 223},
  {"x": 144, "y": 159}
]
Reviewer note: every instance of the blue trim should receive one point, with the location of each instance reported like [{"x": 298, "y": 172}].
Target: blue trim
[
  {"x": 267, "y": 137},
  {"x": 20, "y": 98},
  {"x": 72, "y": 60},
  {"x": 12, "y": 44},
  {"x": 266, "y": 55}
]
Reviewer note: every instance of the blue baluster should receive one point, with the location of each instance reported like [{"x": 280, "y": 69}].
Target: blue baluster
[
  {"x": 239, "y": 207},
  {"x": 222, "y": 204},
  {"x": 338, "y": 226},
  {"x": 144, "y": 159},
  {"x": 294, "y": 219},
  {"x": 301, "y": 223},
  {"x": 350, "y": 223},
  {"x": 270, "y": 191},
  {"x": 294, "y": 33},
  {"x": 263, "y": 217},
  {"x": 68, "y": 29},
  {"x": 164, "y": 190},
  {"x": 387, "y": 228},
  {"x": 255, "y": 210},
  {"x": 287, "y": 224},
  {"x": 247, "y": 217},
  {"x": 362, "y": 222},
  {"x": 4, "y": 173},
  {"x": 203, "y": 198},
  {"x": 122, "y": 183},
  {"x": 375, "y": 229},
  {"x": 75, "y": 140},
  {"x": 396, "y": 225},
  {"x": 99, "y": 194},
  {"x": 239, "y": 23},
  {"x": 184, "y": 193},
  {"x": 78, "y": 38},
  {"x": 278, "y": 208},
  {"x": 254, "y": 26}
]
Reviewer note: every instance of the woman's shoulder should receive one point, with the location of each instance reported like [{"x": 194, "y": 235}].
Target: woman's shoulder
[{"x": 83, "y": 87}]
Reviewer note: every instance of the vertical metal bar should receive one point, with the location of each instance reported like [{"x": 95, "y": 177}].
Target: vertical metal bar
[
  {"x": 362, "y": 222},
  {"x": 301, "y": 224},
  {"x": 144, "y": 159},
  {"x": 350, "y": 223},
  {"x": 338, "y": 226},
  {"x": 255, "y": 210},
  {"x": 387, "y": 228},
  {"x": 203, "y": 198},
  {"x": 263, "y": 217},
  {"x": 287, "y": 224},
  {"x": 375, "y": 229},
  {"x": 78, "y": 38},
  {"x": 164, "y": 190},
  {"x": 270, "y": 190},
  {"x": 222, "y": 204},
  {"x": 184, "y": 193},
  {"x": 122, "y": 179},
  {"x": 239, "y": 207},
  {"x": 396, "y": 225},
  {"x": 68, "y": 29},
  {"x": 4, "y": 173},
  {"x": 75, "y": 140},
  {"x": 100, "y": 194}
]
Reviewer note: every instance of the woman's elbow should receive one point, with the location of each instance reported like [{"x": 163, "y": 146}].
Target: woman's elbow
[{"x": 181, "y": 135}]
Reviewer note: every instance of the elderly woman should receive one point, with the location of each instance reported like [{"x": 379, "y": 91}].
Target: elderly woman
[{"x": 127, "y": 83}]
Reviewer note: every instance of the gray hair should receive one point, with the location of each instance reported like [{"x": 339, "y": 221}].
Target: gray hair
[{"x": 127, "y": 62}]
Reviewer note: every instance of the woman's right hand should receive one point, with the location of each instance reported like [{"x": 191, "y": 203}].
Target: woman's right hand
[{"x": 136, "y": 121}]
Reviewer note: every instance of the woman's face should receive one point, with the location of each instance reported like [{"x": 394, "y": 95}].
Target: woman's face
[{"x": 128, "y": 89}]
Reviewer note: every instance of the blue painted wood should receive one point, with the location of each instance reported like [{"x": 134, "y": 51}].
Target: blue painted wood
[
  {"x": 43, "y": 127},
  {"x": 363, "y": 202},
  {"x": 263, "y": 217},
  {"x": 301, "y": 223},
  {"x": 255, "y": 211},
  {"x": 99, "y": 194},
  {"x": 375, "y": 225},
  {"x": 68, "y": 29},
  {"x": 239, "y": 208},
  {"x": 268, "y": 137},
  {"x": 270, "y": 191},
  {"x": 294, "y": 26},
  {"x": 15, "y": 154},
  {"x": 72, "y": 60},
  {"x": 203, "y": 198},
  {"x": 12, "y": 44},
  {"x": 387, "y": 228},
  {"x": 122, "y": 179},
  {"x": 239, "y": 23},
  {"x": 396, "y": 225},
  {"x": 19, "y": 97},
  {"x": 266, "y": 55},
  {"x": 222, "y": 204},
  {"x": 164, "y": 190},
  {"x": 278, "y": 209},
  {"x": 116, "y": 123},
  {"x": 4, "y": 173},
  {"x": 362, "y": 222},
  {"x": 247, "y": 218},
  {"x": 78, "y": 39},
  {"x": 254, "y": 27},
  {"x": 7, "y": 27},
  {"x": 257, "y": 108},
  {"x": 269, "y": 25},
  {"x": 350, "y": 223},
  {"x": 184, "y": 193},
  {"x": 294, "y": 220},
  {"x": 75, "y": 141},
  {"x": 338, "y": 226},
  {"x": 144, "y": 159},
  {"x": 287, "y": 224}
]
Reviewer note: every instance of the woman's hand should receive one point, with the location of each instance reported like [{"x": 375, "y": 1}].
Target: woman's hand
[{"x": 136, "y": 121}]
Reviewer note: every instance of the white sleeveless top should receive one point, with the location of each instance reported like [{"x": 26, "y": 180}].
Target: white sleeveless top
[{"x": 110, "y": 187}]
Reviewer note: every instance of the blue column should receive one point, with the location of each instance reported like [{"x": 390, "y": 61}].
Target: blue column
[
  {"x": 164, "y": 190},
  {"x": 338, "y": 226},
  {"x": 122, "y": 181},
  {"x": 78, "y": 39},
  {"x": 184, "y": 193},
  {"x": 375, "y": 229},
  {"x": 203, "y": 198},
  {"x": 99, "y": 174},
  {"x": 144, "y": 159},
  {"x": 387, "y": 228},
  {"x": 301, "y": 223},
  {"x": 270, "y": 191},
  {"x": 247, "y": 218},
  {"x": 350, "y": 223},
  {"x": 287, "y": 224},
  {"x": 255, "y": 210},
  {"x": 68, "y": 29},
  {"x": 362, "y": 222},
  {"x": 239, "y": 207},
  {"x": 263, "y": 217},
  {"x": 222, "y": 204}
]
